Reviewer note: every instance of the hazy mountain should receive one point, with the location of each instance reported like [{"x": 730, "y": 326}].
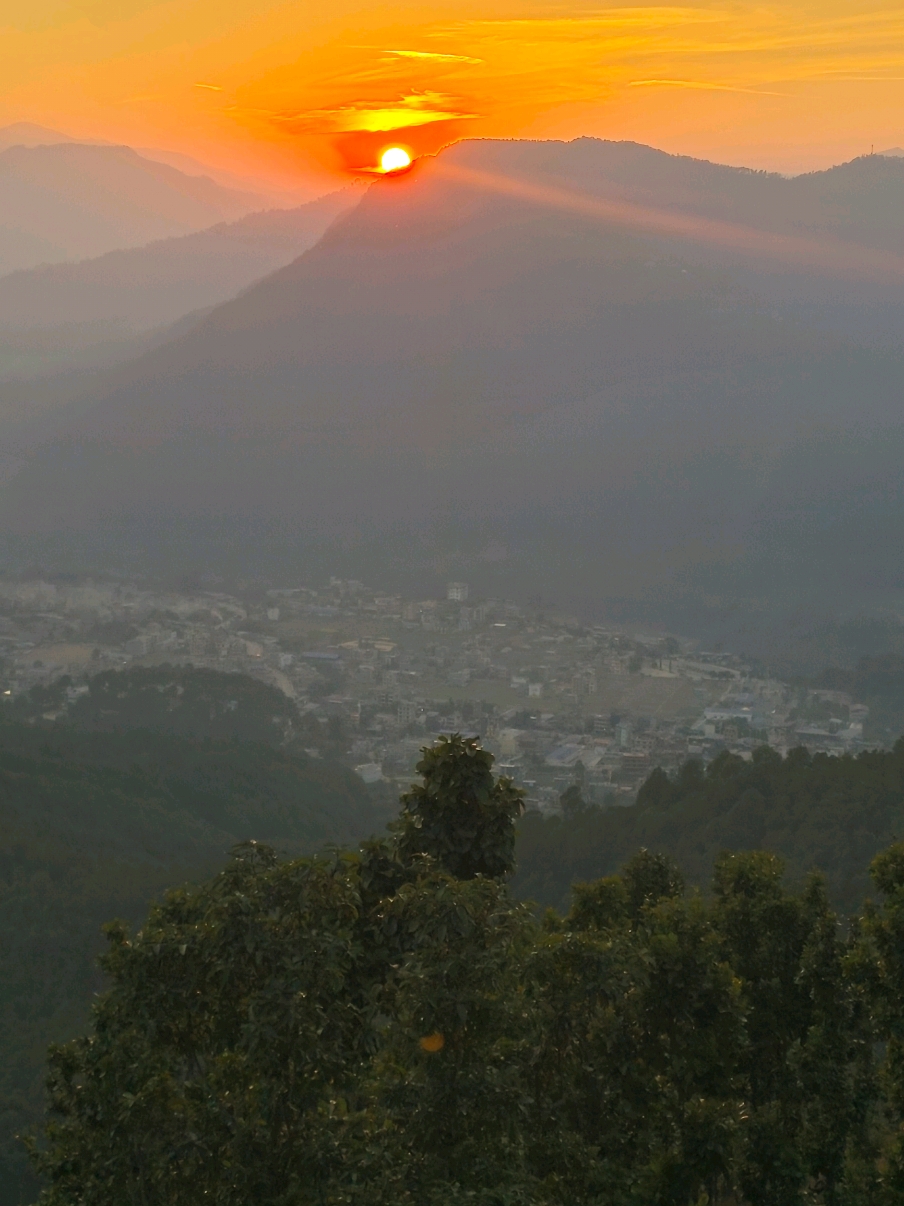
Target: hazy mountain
[
  {"x": 56, "y": 369},
  {"x": 27, "y": 134},
  {"x": 279, "y": 198},
  {"x": 73, "y": 200},
  {"x": 786, "y": 240},
  {"x": 59, "y": 314},
  {"x": 543, "y": 364}
]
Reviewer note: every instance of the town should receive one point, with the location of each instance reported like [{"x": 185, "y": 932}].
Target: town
[{"x": 560, "y": 703}]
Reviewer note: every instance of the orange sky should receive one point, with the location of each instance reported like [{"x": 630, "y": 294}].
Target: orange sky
[{"x": 294, "y": 90}]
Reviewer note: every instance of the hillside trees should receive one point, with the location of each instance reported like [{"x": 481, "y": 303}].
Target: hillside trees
[
  {"x": 642, "y": 1028},
  {"x": 807, "y": 1049},
  {"x": 181, "y": 701},
  {"x": 97, "y": 825},
  {"x": 836, "y": 814},
  {"x": 879, "y": 967},
  {"x": 297, "y": 1028},
  {"x": 390, "y": 1026}
]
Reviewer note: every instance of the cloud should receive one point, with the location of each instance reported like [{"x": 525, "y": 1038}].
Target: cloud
[
  {"x": 672, "y": 74},
  {"x": 209, "y": 87},
  {"x": 433, "y": 56},
  {"x": 703, "y": 85},
  {"x": 416, "y": 109}
]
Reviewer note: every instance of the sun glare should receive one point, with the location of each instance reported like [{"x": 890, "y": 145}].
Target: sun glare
[{"x": 395, "y": 159}]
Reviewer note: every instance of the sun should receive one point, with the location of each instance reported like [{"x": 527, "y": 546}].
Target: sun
[{"x": 395, "y": 159}]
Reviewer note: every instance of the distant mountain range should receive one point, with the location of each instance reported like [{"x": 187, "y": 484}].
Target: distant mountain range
[
  {"x": 28, "y": 134},
  {"x": 623, "y": 379},
  {"x": 68, "y": 201},
  {"x": 142, "y": 287},
  {"x": 62, "y": 315}
]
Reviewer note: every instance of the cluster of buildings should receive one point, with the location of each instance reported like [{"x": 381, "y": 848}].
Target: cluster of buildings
[{"x": 560, "y": 703}]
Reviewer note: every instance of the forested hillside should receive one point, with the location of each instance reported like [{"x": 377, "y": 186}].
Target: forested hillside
[
  {"x": 146, "y": 286},
  {"x": 179, "y": 700},
  {"x": 95, "y": 824},
  {"x": 389, "y": 1027},
  {"x": 818, "y": 813},
  {"x": 147, "y": 779}
]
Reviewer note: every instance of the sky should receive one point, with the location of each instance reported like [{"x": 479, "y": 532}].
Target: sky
[{"x": 310, "y": 90}]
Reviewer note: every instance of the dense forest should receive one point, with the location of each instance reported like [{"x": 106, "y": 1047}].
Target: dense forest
[
  {"x": 390, "y": 1026},
  {"x": 135, "y": 788},
  {"x": 110, "y": 796},
  {"x": 818, "y": 813},
  {"x": 181, "y": 701}
]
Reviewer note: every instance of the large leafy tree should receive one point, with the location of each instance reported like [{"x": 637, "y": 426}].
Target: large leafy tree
[
  {"x": 640, "y": 1043},
  {"x": 218, "y": 1059},
  {"x": 877, "y": 962},
  {"x": 460, "y": 814},
  {"x": 315, "y": 1030},
  {"x": 803, "y": 1061}
]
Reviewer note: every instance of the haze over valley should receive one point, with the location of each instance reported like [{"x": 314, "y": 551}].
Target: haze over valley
[{"x": 632, "y": 382}]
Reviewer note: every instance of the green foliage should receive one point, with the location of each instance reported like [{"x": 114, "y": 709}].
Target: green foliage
[
  {"x": 372, "y": 1027},
  {"x": 147, "y": 797},
  {"x": 638, "y": 1050},
  {"x": 218, "y": 1064},
  {"x": 52, "y": 907},
  {"x": 254, "y": 1049},
  {"x": 447, "y": 1087},
  {"x": 803, "y": 1058},
  {"x": 96, "y": 825},
  {"x": 878, "y": 966},
  {"x": 181, "y": 701},
  {"x": 820, "y": 812},
  {"x": 459, "y": 815}
]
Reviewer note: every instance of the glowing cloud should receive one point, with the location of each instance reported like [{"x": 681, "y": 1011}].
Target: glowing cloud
[
  {"x": 703, "y": 86},
  {"x": 789, "y": 84},
  {"x": 414, "y": 110},
  {"x": 433, "y": 56}
]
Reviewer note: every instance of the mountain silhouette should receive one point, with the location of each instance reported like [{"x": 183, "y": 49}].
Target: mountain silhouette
[
  {"x": 622, "y": 368},
  {"x": 30, "y": 134},
  {"x": 67, "y": 200},
  {"x": 161, "y": 281}
]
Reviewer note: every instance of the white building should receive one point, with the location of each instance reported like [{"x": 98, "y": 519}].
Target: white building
[{"x": 370, "y": 772}]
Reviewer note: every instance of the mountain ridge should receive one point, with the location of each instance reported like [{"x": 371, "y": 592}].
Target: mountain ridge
[
  {"x": 462, "y": 363},
  {"x": 82, "y": 199},
  {"x": 138, "y": 289}
]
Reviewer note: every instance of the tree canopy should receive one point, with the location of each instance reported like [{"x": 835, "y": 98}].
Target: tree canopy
[
  {"x": 97, "y": 825},
  {"x": 815, "y": 811},
  {"x": 389, "y": 1025}
]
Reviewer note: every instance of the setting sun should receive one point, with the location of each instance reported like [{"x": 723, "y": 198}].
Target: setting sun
[{"x": 395, "y": 159}]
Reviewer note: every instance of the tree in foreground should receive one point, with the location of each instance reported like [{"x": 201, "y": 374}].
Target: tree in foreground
[{"x": 389, "y": 1027}]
